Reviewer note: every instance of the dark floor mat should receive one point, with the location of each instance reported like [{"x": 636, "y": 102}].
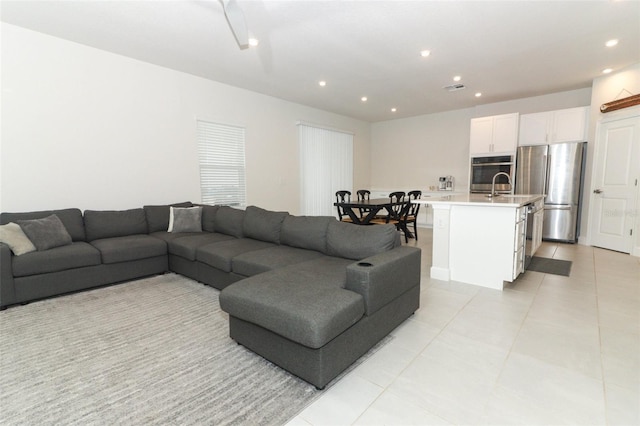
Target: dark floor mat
[{"x": 550, "y": 266}]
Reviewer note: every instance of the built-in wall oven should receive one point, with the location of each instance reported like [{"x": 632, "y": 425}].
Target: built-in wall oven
[{"x": 483, "y": 169}]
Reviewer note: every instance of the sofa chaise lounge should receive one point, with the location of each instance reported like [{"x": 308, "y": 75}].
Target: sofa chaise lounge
[{"x": 310, "y": 294}]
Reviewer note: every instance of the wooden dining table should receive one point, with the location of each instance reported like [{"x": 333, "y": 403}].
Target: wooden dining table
[{"x": 371, "y": 207}]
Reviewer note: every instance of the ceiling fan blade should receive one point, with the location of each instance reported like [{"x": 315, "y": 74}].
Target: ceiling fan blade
[{"x": 236, "y": 21}]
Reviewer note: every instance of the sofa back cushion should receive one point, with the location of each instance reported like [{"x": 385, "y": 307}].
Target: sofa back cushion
[
  {"x": 307, "y": 232},
  {"x": 114, "y": 223},
  {"x": 158, "y": 216},
  {"x": 358, "y": 242},
  {"x": 209, "y": 217},
  {"x": 70, "y": 218},
  {"x": 229, "y": 221},
  {"x": 263, "y": 225}
]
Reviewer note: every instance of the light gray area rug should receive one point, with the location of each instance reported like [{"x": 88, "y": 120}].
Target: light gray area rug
[{"x": 153, "y": 351}]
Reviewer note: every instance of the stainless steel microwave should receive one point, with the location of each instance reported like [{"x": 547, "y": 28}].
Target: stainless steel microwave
[{"x": 483, "y": 169}]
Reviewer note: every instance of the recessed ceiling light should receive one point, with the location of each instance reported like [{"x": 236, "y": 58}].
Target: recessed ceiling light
[
  {"x": 253, "y": 42},
  {"x": 611, "y": 43},
  {"x": 322, "y": 83},
  {"x": 425, "y": 53},
  {"x": 606, "y": 70},
  {"x": 457, "y": 78},
  {"x": 393, "y": 109},
  {"x": 478, "y": 94},
  {"x": 363, "y": 99}
]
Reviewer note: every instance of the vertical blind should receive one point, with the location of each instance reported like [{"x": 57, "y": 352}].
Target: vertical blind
[
  {"x": 222, "y": 166},
  {"x": 326, "y": 166}
]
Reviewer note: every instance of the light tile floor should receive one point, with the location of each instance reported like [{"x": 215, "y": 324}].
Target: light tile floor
[{"x": 547, "y": 350}]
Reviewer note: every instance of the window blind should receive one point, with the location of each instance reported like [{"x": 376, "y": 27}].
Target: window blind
[
  {"x": 326, "y": 166},
  {"x": 222, "y": 163}
]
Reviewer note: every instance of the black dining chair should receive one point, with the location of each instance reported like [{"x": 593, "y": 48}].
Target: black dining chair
[
  {"x": 343, "y": 197},
  {"x": 363, "y": 195},
  {"x": 395, "y": 212},
  {"x": 410, "y": 215}
]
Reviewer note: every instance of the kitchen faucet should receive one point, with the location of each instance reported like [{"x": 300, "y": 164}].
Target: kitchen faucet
[{"x": 493, "y": 183}]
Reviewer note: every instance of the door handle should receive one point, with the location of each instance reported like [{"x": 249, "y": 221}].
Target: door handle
[{"x": 597, "y": 191}]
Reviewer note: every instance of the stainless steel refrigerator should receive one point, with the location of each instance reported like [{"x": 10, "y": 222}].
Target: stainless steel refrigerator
[{"x": 554, "y": 170}]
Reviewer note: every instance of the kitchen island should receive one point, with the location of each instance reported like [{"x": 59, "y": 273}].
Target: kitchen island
[{"x": 480, "y": 240}]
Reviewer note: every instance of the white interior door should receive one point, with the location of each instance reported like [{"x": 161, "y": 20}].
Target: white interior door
[{"x": 614, "y": 190}]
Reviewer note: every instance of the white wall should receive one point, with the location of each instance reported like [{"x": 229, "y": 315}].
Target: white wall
[
  {"x": 90, "y": 129},
  {"x": 411, "y": 153},
  {"x": 608, "y": 88}
]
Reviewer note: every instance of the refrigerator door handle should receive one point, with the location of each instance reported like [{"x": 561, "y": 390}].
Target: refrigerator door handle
[
  {"x": 557, "y": 207},
  {"x": 545, "y": 185}
]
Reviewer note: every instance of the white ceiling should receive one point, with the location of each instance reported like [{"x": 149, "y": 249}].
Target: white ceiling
[{"x": 504, "y": 49}]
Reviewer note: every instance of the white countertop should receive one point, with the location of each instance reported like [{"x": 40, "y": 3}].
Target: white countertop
[{"x": 503, "y": 200}]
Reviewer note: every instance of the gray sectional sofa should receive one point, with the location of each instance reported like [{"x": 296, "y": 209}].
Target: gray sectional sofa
[{"x": 310, "y": 294}]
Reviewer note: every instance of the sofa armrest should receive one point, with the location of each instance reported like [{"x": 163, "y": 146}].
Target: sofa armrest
[
  {"x": 7, "y": 289},
  {"x": 383, "y": 277}
]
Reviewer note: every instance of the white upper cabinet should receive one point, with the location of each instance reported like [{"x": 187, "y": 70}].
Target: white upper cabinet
[
  {"x": 496, "y": 134},
  {"x": 564, "y": 125}
]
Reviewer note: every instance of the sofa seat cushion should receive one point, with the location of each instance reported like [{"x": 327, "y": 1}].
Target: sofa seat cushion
[
  {"x": 220, "y": 255},
  {"x": 131, "y": 247},
  {"x": 187, "y": 246},
  {"x": 259, "y": 261},
  {"x": 296, "y": 303},
  {"x": 75, "y": 255}
]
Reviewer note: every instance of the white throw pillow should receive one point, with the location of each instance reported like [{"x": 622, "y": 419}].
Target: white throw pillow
[{"x": 12, "y": 235}]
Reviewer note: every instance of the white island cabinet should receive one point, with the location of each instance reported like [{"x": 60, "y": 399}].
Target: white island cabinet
[{"x": 479, "y": 240}]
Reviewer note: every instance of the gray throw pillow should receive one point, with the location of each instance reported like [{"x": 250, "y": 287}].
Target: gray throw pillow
[
  {"x": 185, "y": 219},
  {"x": 12, "y": 235},
  {"x": 46, "y": 233}
]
